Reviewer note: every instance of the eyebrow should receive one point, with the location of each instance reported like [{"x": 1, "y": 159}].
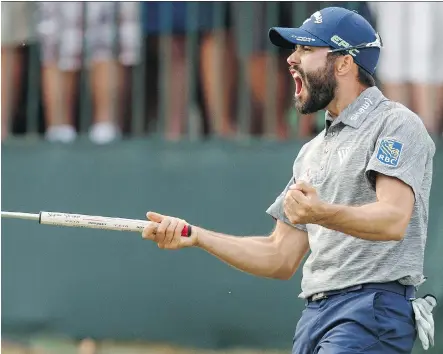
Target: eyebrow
[{"x": 302, "y": 45}]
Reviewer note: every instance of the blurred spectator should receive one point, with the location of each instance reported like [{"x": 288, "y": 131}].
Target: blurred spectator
[
  {"x": 259, "y": 59},
  {"x": 62, "y": 34},
  {"x": 17, "y": 31},
  {"x": 219, "y": 72},
  {"x": 410, "y": 62},
  {"x": 87, "y": 346},
  {"x": 169, "y": 22}
]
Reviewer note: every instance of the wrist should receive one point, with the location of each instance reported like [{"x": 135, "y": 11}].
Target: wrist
[
  {"x": 197, "y": 236},
  {"x": 325, "y": 212}
]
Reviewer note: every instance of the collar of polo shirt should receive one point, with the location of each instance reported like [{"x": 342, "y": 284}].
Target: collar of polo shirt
[{"x": 356, "y": 113}]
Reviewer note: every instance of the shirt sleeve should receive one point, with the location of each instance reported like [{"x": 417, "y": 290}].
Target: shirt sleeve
[
  {"x": 277, "y": 212},
  {"x": 402, "y": 150}
]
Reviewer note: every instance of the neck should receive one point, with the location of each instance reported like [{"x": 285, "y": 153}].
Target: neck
[{"x": 344, "y": 96}]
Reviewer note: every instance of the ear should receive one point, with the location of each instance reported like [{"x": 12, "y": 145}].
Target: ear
[{"x": 344, "y": 64}]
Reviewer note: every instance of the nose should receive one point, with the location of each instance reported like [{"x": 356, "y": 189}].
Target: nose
[{"x": 293, "y": 59}]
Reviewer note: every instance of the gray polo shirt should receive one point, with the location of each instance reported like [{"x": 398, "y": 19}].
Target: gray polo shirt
[{"x": 371, "y": 135}]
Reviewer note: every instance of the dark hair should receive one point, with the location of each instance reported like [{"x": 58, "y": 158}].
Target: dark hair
[{"x": 363, "y": 77}]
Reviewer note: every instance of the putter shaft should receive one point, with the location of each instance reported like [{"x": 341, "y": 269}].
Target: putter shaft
[{"x": 14, "y": 215}]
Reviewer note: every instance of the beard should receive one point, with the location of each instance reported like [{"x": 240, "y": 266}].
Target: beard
[{"x": 320, "y": 88}]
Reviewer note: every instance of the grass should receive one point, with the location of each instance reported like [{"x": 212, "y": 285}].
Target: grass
[{"x": 67, "y": 346}]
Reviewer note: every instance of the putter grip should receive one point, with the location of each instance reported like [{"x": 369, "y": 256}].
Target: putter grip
[
  {"x": 187, "y": 231},
  {"x": 99, "y": 222}
]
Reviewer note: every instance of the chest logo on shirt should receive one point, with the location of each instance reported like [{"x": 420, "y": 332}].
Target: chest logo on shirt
[
  {"x": 342, "y": 154},
  {"x": 389, "y": 152}
]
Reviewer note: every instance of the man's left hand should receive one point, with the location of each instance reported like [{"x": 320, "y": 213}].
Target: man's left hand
[{"x": 302, "y": 205}]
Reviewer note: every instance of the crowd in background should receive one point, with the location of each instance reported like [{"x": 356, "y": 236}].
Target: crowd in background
[{"x": 110, "y": 39}]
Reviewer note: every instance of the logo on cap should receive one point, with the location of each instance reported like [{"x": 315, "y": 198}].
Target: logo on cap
[
  {"x": 303, "y": 39},
  {"x": 342, "y": 43},
  {"x": 318, "y": 18}
]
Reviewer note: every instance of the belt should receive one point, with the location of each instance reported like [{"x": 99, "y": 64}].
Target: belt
[{"x": 408, "y": 291}]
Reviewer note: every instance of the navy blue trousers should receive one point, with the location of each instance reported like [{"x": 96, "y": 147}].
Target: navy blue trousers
[{"x": 369, "y": 321}]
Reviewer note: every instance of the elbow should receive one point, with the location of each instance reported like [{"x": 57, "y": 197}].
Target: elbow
[
  {"x": 396, "y": 232},
  {"x": 284, "y": 275},
  {"x": 285, "y": 271},
  {"x": 396, "y": 236},
  {"x": 398, "y": 225},
  {"x": 287, "y": 266}
]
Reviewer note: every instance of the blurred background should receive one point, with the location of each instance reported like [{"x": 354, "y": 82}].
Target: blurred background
[{"x": 118, "y": 108}]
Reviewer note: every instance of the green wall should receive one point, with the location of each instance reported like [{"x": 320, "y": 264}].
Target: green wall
[{"x": 105, "y": 284}]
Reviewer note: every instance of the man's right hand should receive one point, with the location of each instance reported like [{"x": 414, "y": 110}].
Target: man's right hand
[
  {"x": 166, "y": 232},
  {"x": 275, "y": 256}
]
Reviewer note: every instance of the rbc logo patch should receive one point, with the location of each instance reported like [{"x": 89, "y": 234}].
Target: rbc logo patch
[{"x": 389, "y": 152}]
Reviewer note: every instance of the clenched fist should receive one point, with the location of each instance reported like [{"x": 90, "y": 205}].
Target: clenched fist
[
  {"x": 302, "y": 205},
  {"x": 166, "y": 232}
]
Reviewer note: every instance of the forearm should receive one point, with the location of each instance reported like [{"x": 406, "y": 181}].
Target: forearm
[
  {"x": 374, "y": 222},
  {"x": 257, "y": 255}
]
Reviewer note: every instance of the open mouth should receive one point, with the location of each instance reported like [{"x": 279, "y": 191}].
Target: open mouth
[
  {"x": 298, "y": 82},
  {"x": 298, "y": 85}
]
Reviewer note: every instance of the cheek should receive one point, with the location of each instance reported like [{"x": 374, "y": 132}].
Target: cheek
[
  {"x": 307, "y": 66},
  {"x": 308, "y": 69},
  {"x": 313, "y": 63}
]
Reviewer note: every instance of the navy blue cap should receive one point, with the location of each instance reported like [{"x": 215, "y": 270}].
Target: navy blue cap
[{"x": 338, "y": 28}]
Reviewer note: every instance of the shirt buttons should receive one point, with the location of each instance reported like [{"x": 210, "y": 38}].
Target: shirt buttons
[
  {"x": 321, "y": 168},
  {"x": 326, "y": 151}
]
